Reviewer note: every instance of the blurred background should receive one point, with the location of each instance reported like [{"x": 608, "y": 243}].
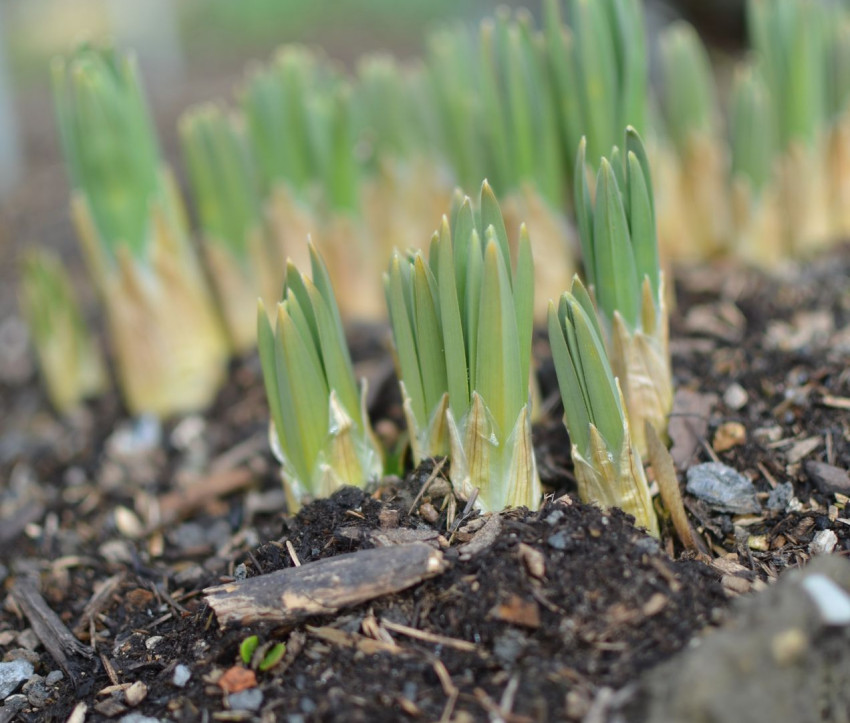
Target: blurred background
[{"x": 194, "y": 50}]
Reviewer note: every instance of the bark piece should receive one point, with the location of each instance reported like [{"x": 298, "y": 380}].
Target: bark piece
[
  {"x": 51, "y": 631},
  {"x": 325, "y": 586}
]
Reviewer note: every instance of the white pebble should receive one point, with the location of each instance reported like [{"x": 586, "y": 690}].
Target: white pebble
[
  {"x": 181, "y": 675},
  {"x": 832, "y": 601}
]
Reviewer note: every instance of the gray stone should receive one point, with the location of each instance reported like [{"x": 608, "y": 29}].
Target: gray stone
[
  {"x": 15, "y": 703},
  {"x": 783, "y": 655},
  {"x": 138, "y": 718},
  {"x": 13, "y": 674},
  {"x": 36, "y": 692},
  {"x": 723, "y": 488},
  {"x": 828, "y": 478},
  {"x": 53, "y": 677},
  {"x": 559, "y": 541},
  {"x": 250, "y": 699},
  {"x": 779, "y": 497},
  {"x": 181, "y": 675}
]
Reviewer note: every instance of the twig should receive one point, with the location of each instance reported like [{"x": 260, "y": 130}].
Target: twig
[
  {"x": 290, "y": 548},
  {"x": 48, "y": 628},
  {"x": 449, "y": 688},
  {"x": 427, "y": 637}
]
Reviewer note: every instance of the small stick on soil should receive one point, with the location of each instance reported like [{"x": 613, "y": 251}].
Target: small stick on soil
[
  {"x": 290, "y": 548},
  {"x": 427, "y": 637},
  {"x": 323, "y": 587},
  {"x": 49, "y": 629},
  {"x": 771, "y": 480},
  {"x": 449, "y": 688},
  {"x": 497, "y": 713}
]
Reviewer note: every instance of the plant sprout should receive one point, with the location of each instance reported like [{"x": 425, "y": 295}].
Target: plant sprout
[
  {"x": 756, "y": 211},
  {"x": 320, "y": 430},
  {"x": 462, "y": 322},
  {"x": 170, "y": 349},
  {"x": 608, "y": 467},
  {"x": 599, "y": 70},
  {"x": 620, "y": 251},
  {"x": 235, "y": 242},
  {"x": 68, "y": 356},
  {"x": 693, "y": 209},
  {"x": 496, "y": 118},
  {"x": 788, "y": 37}
]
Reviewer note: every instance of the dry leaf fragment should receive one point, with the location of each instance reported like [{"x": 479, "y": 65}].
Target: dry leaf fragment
[
  {"x": 236, "y": 679},
  {"x": 518, "y": 612}
]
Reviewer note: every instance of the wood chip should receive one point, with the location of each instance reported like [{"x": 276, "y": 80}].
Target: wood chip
[
  {"x": 51, "y": 631},
  {"x": 802, "y": 449},
  {"x": 835, "y": 402},
  {"x": 483, "y": 539},
  {"x": 533, "y": 560},
  {"x": 517, "y": 611},
  {"x": 325, "y": 586}
]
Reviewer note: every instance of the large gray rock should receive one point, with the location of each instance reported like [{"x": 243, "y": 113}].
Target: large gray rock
[{"x": 784, "y": 655}]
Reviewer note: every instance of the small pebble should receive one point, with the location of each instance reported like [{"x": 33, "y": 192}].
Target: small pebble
[
  {"x": 12, "y": 675},
  {"x": 136, "y": 693},
  {"x": 128, "y": 523},
  {"x": 780, "y": 497},
  {"x": 53, "y": 677},
  {"x": 138, "y": 718},
  {"x": 823, "y": 542},
  {"x": 250, "y": 699},
  {"x": 723, "y": 488},
  {"x": 15, "y": 702},
  {"x": 139, "y": 437},
  {"x": 735, "y": 396},
  {"x": 558, "y": 541},
  {"x": 153, "y": 641},
  {"x": 240, "y": 572},
  {"x": 181, "y": 675}
]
